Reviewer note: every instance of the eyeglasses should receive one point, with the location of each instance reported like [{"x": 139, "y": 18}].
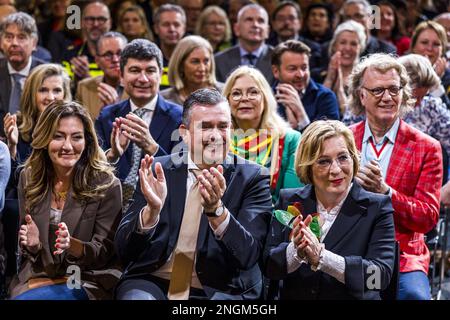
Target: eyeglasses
[
  {"x": 343, "y": 161},
  {"x": 91, "y": 20},
  {"x": 251, "y": 94},
  {"x": 379, "y": 92},
  {"x": 108, "y": 55}
]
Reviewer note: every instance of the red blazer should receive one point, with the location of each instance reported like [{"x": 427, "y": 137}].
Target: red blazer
[{"x": 415, "y": 176}]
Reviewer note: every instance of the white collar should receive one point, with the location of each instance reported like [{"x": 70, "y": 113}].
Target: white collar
[
  {"x": 24, "y": 72},
  {"x": 390, "y": 135},
  {"x": 151, "y": 105}
]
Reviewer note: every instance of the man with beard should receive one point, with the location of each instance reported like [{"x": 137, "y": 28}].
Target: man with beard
[
  {"x": 18, "y": 39},
  {"x": 196, "y": 229},
  {"x": 252, "y": 30},
  {"x": 79, "y": 61},
  {"x": 142, "y": 124},
  {"x": 95, "y": 93},
  {"x": 287, "y": 24},
  {"x": 300, "y": 99}
]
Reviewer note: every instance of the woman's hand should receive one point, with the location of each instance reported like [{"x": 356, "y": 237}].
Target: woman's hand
[
  {"x": 11, "y": 133},
  {"x": 29, "y": 235},
  {"x": 63, "y": 239},
  {"x": 439, "y": 66},
  {"x": 332, "y": 73}
]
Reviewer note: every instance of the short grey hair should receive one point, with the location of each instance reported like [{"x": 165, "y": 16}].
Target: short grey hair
[
  {"x": 420, "y": 71},
  {"x": 252, "y": 6},
  {"x": 351, "y": 26},
  {"x": 23, "y": 21},
  {"x": 381, "y": 62},
  {"x": 365, "y": 4},
  {"x": 169, "y": 8},
  {"x": 110, "y": 34}
]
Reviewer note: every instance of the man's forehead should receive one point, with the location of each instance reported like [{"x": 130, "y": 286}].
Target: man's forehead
[
  {"x": 13, "y": 27},
  {"x": 141, "y": 63},
  {"x": 96, "y": 9},
  {"x": 373, "y": 74},
  {"x": 254, "y": 12},
  {"x": 211, "y": 112}
]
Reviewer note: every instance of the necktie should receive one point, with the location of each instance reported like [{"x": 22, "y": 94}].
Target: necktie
[
  {"x": 184, "y": 253},
  {"x": 129, "y": 184},
  {"x": 16, "y": 92},
  {"x": 251, "y": 58}
]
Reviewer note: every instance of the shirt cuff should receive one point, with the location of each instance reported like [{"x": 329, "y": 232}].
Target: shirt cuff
[
  {"x": 220, "y": 231},
  {"x": 141, "y": 228},
  {"x": 293, "y": 261},
  {"x": 332, "y": 264},
  {"x": 106, "y": 154},
  {"x": 304, "y": 123}
]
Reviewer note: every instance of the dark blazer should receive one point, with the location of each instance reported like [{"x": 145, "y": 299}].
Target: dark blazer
[
  {"x": 227, "y": 268},
  {"x": 166, "y": 119},
  {"x": 230, "y": 59},
  {"x": 363, "y": 233},
  {"x": 94, "y": 223},
  {"x": 5, "y": 85},
  {"x": 319, "y": 102}
]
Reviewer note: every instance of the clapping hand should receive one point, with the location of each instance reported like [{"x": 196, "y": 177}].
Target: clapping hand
[
  {"x": 370, "y": 177},
  {"x": 137, "y": 130},
  {"x": 154, "y": 189},
  {"x": 62, "y": 240},
  {"x": 212, "y": 188},
  {"x": 305, "y": 241},
  {"x": 29, "y": 235},
  {"x": 119, "y": 142}
]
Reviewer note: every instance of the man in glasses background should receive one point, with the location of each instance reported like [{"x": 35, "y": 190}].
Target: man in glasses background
[
  {"x": 79, "y": 61},
  {"x": 397, "y": 160},
  {"x": 95, "y": 93}
]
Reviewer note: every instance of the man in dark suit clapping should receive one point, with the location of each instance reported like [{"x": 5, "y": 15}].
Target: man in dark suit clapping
[{"x": 196, "y": 228}]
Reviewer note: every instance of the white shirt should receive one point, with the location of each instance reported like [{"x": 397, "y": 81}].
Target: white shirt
[
  {"x": 24, "y": 72},
  {"x": 151, "y": 105}
]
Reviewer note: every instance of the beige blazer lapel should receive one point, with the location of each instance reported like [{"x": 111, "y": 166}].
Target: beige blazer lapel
[{"x": 72, "y": 212}]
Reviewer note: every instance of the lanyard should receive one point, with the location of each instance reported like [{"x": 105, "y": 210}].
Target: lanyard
[{"x": 374, "y": 148}]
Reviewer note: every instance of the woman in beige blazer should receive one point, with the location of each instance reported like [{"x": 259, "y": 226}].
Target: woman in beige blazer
[{"x": 70, "y": 206}]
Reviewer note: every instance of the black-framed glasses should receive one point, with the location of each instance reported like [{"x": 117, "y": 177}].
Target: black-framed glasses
[
  {"x": 91, "y": 20},
  {"x": 108, "y": 55},
  {"x": 379, "y": 91},
  {"x": 251, "y": 94},
  {"x": 343, "y": 160}
]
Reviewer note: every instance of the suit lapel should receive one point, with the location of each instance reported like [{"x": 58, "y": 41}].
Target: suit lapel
[
  {"x": 177, "y": 177},
  {"x": 72, "y": 212},
  {"x": 403, "y": 149},
  {"x": 5, "y": 84},
  {"x": 352, "y": 210},
  {"x": 159, "y": 119}
]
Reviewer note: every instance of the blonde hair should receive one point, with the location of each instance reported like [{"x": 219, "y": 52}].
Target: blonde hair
[
  {"x": 270, "y": 119},
  {"x": 91, "y": 168},
  {"x": 433, "y": 25},
  {"x": 29, "y": 111},
  {"x": 182, "y": 50},
  {"x": 311, "y": 146},
  {"x": 381, "y": 62},
  {"x": 200, "y": 27},
  {"x": 147, "y": 33}
]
